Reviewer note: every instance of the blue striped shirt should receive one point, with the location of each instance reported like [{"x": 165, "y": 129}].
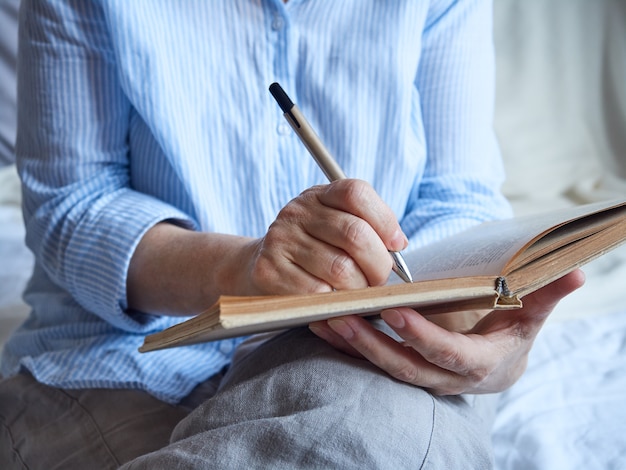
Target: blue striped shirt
[{"x": 131, "y": 113}]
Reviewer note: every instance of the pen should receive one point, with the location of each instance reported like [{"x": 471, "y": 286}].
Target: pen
[{"x": 323, "y": 158}]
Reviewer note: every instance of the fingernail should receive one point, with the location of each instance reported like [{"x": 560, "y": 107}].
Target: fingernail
[
  {"x": 399, "y": 241},
  {"x": 341, "y": 328},
  {"x": 393, "y": 318}
]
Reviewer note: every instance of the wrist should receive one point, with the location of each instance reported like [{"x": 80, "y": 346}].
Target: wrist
[{"x": 175, "y": 271}]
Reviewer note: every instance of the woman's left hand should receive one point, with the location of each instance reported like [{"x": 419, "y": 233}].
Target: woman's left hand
[{"x": 488, "y": 358}]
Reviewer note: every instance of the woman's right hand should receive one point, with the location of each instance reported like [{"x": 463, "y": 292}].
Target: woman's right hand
[{"x": 333, "y": 236}]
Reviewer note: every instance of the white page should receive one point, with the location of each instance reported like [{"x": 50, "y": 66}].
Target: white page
[{"x": 487, "y": 248}]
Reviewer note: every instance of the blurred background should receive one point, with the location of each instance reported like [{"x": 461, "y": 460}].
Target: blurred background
[{"x": 561, "y": 99}]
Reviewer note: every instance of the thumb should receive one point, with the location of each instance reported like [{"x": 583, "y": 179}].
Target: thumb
[
  {"x": 527, "y": 321},
  {"x": 541, "y": 302}
]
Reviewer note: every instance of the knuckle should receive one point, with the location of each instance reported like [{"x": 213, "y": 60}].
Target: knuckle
[
  {"x": 355, "y": 191},
  {"x": 355, "y": 231},
  {"x": 406, "y": 373},
  {"x": 477, "y": 376},
  {"x": 313, "y": 191},
  {"x": 449, "y": 359},
  {"x": 341, "y": 268},
  {"x": 292, "y": 211},
  {"x": 471, "y": 375},
  {"x": 275, "y": 239}
]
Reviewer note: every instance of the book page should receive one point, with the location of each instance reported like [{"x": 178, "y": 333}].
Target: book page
[{"x": 487, "y": 248}]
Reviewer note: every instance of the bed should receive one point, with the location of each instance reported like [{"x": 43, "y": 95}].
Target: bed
[{"x": 561, "y": 121}]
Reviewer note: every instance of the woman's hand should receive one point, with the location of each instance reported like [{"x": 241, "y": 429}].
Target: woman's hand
[
  {"x": 488, "y": 358},
  {"x": 334, "y": 236}
]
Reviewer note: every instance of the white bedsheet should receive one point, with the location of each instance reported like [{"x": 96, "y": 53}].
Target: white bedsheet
[{"x": 567, "y": 412}]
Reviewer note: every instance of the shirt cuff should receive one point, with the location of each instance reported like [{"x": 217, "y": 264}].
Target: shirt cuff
[{"x": 99, "y": 253}]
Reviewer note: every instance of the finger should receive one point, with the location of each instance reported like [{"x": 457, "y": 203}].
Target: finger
[
  {"x": 359, "y": 198},
  {"x": 276, "y": 275},
  {"x": 448, "y": 350},
  {"x": 541, "y": 302},
  {"x": 399, "y": 361},
  {"x": 352, "y": 255},
  {"x": 526, "y": 322},
  {"x": 357, "y": 239},
  {"x": 275, "y": 269},
  {"x": 287, "y": 246},
  {"x": 328, "y": 263},
  {"x": 323, "y": 331}
]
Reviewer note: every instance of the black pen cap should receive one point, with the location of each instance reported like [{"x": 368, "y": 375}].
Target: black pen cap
[{"x": 281, "y": 97}]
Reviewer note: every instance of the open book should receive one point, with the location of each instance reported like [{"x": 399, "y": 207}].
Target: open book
[{"x": 491, "y": 266}]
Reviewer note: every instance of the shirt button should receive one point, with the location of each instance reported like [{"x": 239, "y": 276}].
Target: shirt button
[
  {"x": 226, "y": 347},
  {"x": 283, "y": 128},
  {"x": 278, "y": 23}
]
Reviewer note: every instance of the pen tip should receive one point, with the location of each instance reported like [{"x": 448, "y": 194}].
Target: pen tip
[
  {"x": 405, "y": 276},
  {"x": 400, "y": 267}
]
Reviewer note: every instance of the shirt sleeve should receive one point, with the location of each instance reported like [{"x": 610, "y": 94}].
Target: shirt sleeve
[
  {"x": 456, "y": 84},
  {"x": 83, "y": 219}
]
